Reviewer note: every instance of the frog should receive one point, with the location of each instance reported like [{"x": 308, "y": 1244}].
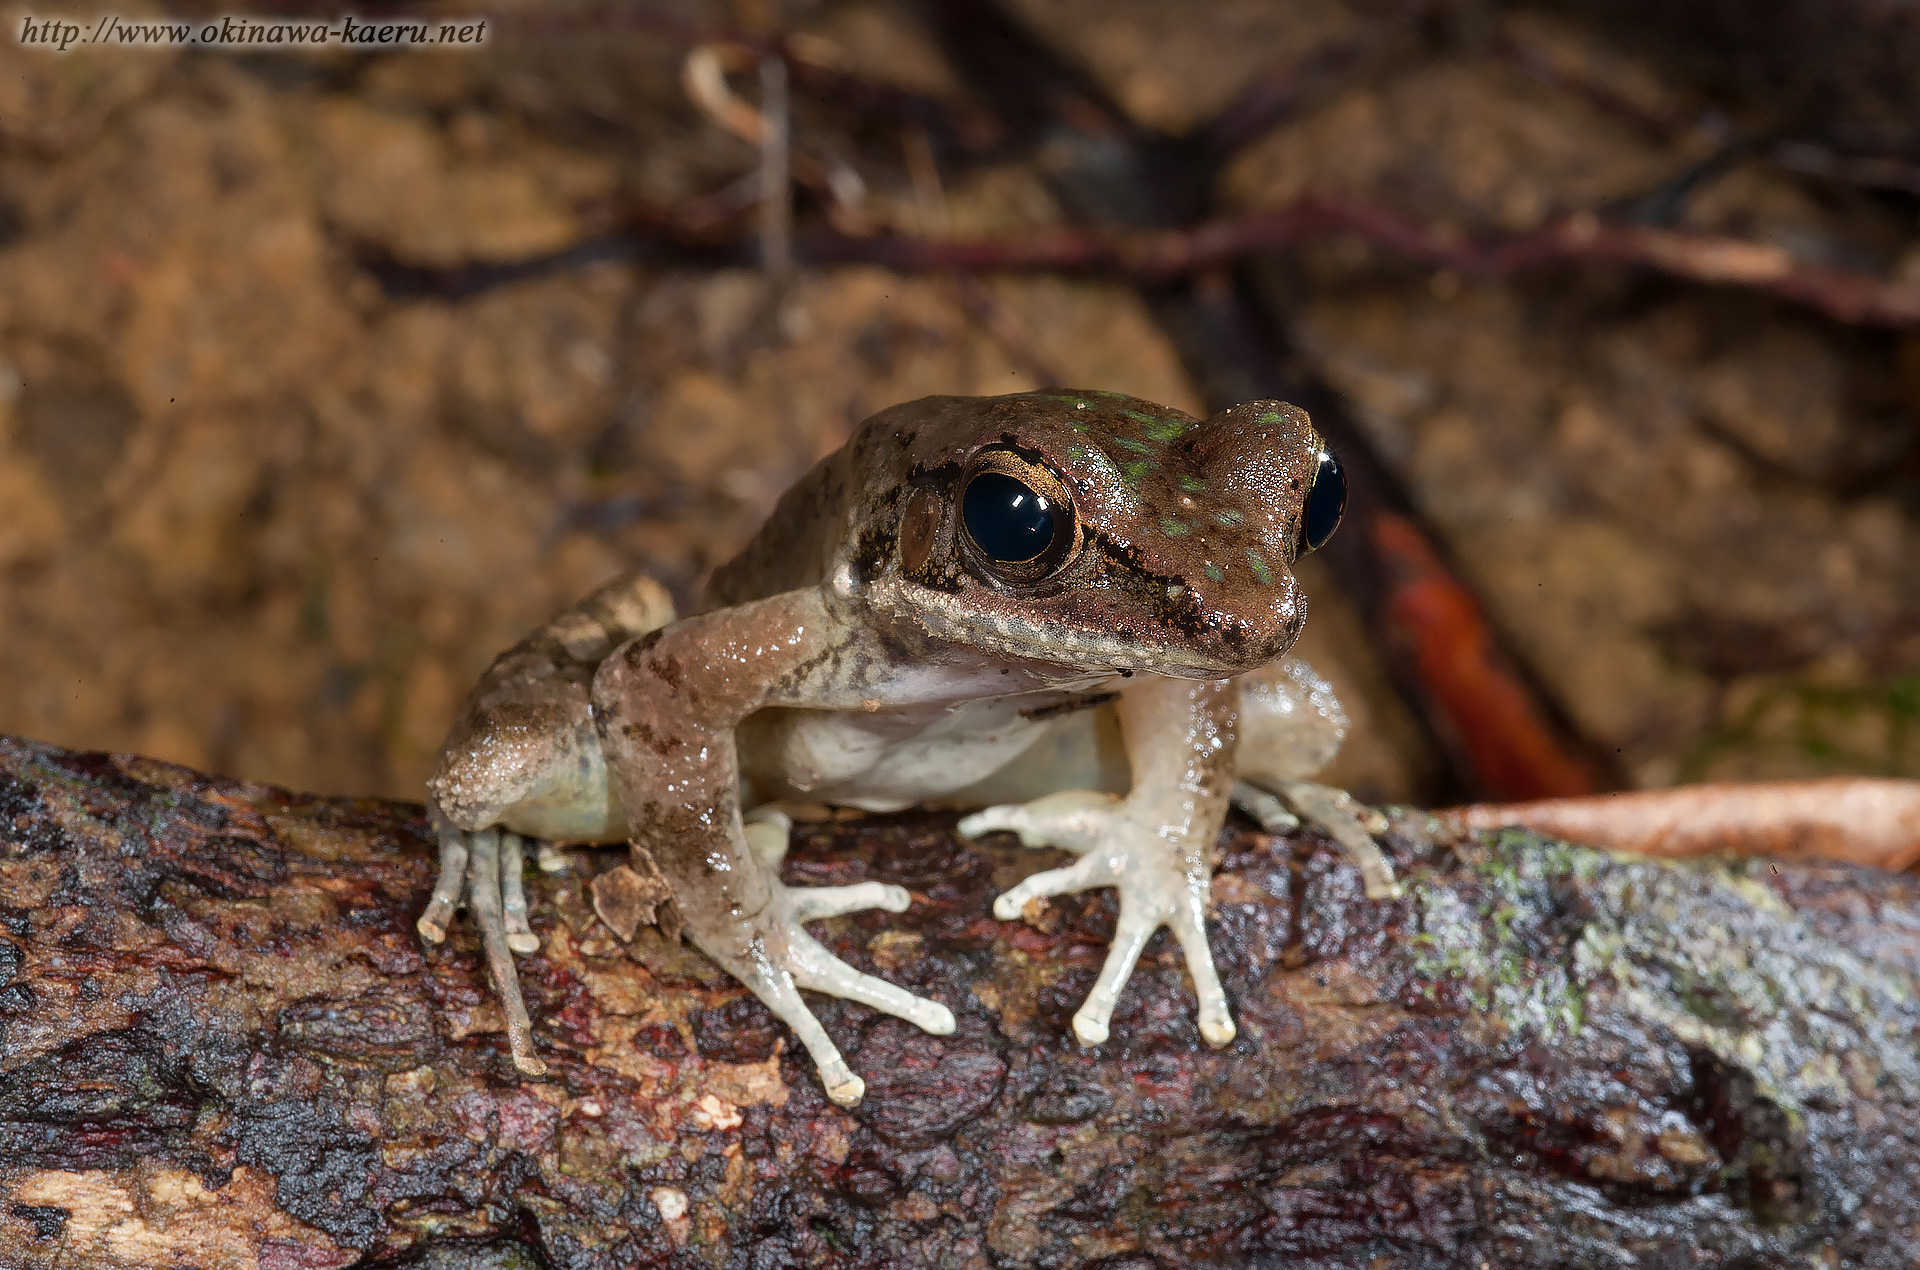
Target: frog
[{"x": 1067, "y": 610}]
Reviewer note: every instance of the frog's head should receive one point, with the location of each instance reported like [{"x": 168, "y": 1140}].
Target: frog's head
[{"x": 1093, "y": 529}]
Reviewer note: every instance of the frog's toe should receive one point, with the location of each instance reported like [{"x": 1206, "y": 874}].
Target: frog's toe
[
  {"x": 843, "y": 1086},
  {"x": 484, "y": 892},
  {"x": 513, "y": 894},
  {"x": 448, "y": 888},
  {"x": 1071, "y": 819},
  {"x": 1130, "y": 935},
  {"x": 812, "y": 966},
  {"x": 1216, "y": 1019},
  {"x": 1330, "y": 811},
  {"x": 838, "y": 979},
  {"x": 779, "y": 990},
  {"x": 810, "y": 904},
  {"x": 766, "y": 830},
  {"x": 1083, "y": 874}
]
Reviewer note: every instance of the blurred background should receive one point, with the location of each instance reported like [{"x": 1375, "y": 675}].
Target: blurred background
[{"x": 325, "y": 375}]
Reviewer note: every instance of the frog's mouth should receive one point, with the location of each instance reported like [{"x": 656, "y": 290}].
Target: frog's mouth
[{"x": 1078, "y": 629}]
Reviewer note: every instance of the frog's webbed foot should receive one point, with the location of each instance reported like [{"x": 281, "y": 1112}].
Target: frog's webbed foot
[
  {"x": 485, "y": 867},
  {"x": 1280, "y": 805},
  {"x": 783, "y": 958},
  {"x": 1161, "y": 883}
]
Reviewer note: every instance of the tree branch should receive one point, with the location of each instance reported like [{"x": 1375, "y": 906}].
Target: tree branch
[
  {"x": 221, "y": 1043},
  {"x": 1844, "y": 295}
]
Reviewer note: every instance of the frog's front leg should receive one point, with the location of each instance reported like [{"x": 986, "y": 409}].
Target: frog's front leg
[
  {"x": 1155, "y": 846},
  {"x": 667, "y": 706},
  {"x": 1291, "y": 725}
]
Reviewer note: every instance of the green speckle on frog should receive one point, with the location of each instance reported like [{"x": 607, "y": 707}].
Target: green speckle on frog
[{"x": 974, "y": 602}]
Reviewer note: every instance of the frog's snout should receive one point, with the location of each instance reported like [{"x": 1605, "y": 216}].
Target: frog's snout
[{"x": 1259, "y": 628}]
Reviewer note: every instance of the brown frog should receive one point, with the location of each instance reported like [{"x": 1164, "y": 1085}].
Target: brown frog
[{"x": 1067, "y": 607}]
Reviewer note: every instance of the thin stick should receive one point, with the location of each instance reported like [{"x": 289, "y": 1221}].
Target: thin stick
[
  {"x": 776, "y": 175},
  {"x": 1581, "y": 239}
]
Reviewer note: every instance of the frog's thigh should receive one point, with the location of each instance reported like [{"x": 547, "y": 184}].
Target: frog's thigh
[
  {"x": 533, "y": 767},
  {"x": 1291, "y": 724}
]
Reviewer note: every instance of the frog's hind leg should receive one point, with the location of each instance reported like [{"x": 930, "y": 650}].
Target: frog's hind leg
[
  {"x": 526, "y": 752},
  {"x": 1291, "y": 725},
  {"x": 1279, "y": 805},
  {"x": 486, "y": 865}
]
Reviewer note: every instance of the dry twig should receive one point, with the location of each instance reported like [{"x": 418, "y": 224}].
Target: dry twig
[
  {"x": 1859, "y": 820},
  {"x": 1582, "y": 239}
]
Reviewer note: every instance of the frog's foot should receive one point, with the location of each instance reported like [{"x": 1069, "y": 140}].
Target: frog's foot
[
  {"x": 1162, "y": 882},
  {"x": 1280, "y": 806},
  {"x": 783, "y": 958},
  {"x": 485, "y": 866}
]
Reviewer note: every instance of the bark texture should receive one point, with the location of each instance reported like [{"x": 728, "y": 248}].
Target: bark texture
[{"x": 221, "y": 1044}]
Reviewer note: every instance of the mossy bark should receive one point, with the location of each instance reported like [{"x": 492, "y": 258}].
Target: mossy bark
[{"x": 221, "y": 1044}]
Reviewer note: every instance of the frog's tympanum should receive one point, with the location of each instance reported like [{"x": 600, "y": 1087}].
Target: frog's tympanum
[{"x": 1067, "y": 608}]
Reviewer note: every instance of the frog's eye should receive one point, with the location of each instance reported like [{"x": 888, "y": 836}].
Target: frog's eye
[
  {"x": 1326, "y": 500},
  {"x": 1018, "y": 519}
]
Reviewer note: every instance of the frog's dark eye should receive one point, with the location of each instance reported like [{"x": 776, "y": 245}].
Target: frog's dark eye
[
  {"x": 1010, "y": 523},
  {"x": 1326, "y": 500},
  {"x": 1018, "y": 520}
]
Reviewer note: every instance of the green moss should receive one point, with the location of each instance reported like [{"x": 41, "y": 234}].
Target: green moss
[
  {"x": 1484, "y": 951},
  {"x": 1542, "y": 933}
]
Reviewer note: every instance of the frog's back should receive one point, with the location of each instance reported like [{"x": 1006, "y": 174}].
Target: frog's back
[{"x": 812, "y": 529}]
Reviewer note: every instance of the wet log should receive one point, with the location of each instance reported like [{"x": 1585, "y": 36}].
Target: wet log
[{"x": 221, "y": 1044}]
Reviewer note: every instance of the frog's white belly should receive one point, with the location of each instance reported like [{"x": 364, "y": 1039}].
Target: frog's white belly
[{"x": 892, "y": 759}]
